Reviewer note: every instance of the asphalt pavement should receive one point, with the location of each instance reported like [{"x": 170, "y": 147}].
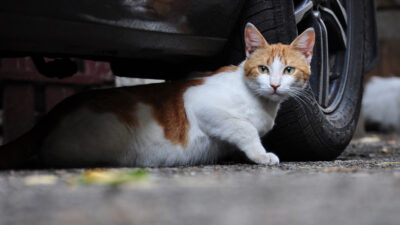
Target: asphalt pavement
[{"x": 361, "y": 187}]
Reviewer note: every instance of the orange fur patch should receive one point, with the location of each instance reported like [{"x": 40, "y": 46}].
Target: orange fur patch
[
  {"x": 166, "y": 100},
  {"x": 288, "y": 55}
]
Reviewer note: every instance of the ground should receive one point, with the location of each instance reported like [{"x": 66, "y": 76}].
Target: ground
[{"x": 361, "y": 187}]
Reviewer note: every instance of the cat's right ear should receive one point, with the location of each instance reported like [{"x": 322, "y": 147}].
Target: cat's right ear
[
  {"x": 253, "y": 39},
  {"x": 305, "y": 43}
]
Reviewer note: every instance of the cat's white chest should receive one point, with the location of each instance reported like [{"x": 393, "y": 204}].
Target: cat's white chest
[
  {"x": 229, "y": 95},
  {"x": 262, "y": 116},
  {"x": 226, "y": 98}
]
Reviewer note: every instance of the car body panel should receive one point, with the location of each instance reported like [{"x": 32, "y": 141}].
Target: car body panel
[
  {"x": 371, "y": 48},
  {"x": 122, "y": 28}
]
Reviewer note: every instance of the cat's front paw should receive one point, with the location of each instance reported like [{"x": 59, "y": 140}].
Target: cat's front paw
[{"x": 266, "y": 159}]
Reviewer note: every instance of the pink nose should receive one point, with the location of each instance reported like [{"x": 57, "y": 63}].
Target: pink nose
[{"x": 275, "y": 86}]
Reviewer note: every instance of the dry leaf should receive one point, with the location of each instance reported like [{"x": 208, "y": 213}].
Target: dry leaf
[
  {"x": 386, "y": 151},
  {"x": 368, "y": 140},
  {"x": 111, "y": 177},
  {"x": 40, "y": 180}
]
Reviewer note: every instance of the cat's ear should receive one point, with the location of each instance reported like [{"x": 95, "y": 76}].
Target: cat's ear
[
  {"x": 253, "y": 39},
  {"x": 305, "y": 43}
]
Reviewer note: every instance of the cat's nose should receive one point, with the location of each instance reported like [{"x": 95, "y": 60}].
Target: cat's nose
[{"x": 275, "y": 86}]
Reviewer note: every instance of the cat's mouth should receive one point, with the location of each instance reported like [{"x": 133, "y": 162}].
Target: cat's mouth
[
  {"x": 278, "y": 96},
  {"x": 277, "y": 93}
]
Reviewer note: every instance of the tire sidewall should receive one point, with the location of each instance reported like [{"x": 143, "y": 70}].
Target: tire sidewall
[{"x": 323, "y": 136}]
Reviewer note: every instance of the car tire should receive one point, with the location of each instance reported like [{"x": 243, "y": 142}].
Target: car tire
[{"x": 305, "y": 130}]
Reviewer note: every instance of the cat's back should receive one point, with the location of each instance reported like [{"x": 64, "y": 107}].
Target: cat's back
[{"x": 103, "y": 126}]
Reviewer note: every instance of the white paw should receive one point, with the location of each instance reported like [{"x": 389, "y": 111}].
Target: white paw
[{"x": 267, "y": 159}]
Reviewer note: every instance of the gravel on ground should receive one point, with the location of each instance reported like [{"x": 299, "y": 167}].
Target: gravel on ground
[{"x": 361, "y": 187}]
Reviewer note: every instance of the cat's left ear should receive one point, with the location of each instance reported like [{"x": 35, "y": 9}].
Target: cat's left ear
[
  {"x": 305, "y": 43},
  {"x": 253, "y": 39}
]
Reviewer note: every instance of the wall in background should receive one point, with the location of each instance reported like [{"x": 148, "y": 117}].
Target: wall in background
[{"x": 388, "y": 21}]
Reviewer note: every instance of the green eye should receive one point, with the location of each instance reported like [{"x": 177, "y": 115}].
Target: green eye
[
  {"x": 263, "y": 69},
  {"x": 289, "y": 70}
]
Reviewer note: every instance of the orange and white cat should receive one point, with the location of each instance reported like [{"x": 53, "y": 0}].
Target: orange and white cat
[{"x": 187, "y": 122}]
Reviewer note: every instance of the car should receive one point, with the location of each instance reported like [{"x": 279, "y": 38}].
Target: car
[{"x": 167, "y": 39}]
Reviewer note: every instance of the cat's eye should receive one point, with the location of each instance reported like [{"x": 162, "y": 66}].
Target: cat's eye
[
  {"x": 263, "y": 69},
  {"x": 289, "y": 70}
]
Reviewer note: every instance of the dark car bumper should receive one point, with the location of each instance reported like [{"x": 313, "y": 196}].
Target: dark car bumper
[{"x": 107, "y": 29}]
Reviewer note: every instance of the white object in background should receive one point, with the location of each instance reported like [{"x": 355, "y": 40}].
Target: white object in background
[
  {"x": 127, "y": 81},
  {"x": 381, "y": 103}
]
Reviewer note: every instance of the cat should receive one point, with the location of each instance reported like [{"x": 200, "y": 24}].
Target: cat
[{"x": 187, "y": 122}]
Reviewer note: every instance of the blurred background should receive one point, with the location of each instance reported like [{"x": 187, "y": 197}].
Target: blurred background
[{"x": 381, "y": 103}]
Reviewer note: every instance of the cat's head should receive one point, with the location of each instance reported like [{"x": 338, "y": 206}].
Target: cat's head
[{"x": 275, "y": 71}]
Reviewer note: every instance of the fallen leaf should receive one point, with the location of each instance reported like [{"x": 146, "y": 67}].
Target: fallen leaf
[
  {"x": 40, "y": 180},
  {"x": 111, "y": 177},
  {"x": 386, "y": 151},
  {"x": 368, "y": 140}
]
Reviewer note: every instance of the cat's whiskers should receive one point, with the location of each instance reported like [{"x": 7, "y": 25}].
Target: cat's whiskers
[{"x": 297, "y": 95}]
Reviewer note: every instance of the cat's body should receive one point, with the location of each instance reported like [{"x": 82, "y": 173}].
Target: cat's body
[
  {"x": 196, "y": 131},
  {"x": 188, "y": 122}
]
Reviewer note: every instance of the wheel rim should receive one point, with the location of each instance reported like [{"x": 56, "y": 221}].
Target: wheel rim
[{"x": 331, "y": 55}]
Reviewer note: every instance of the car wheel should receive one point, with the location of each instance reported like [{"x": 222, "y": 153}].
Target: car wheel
[{"x": 319, "y": 124}]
